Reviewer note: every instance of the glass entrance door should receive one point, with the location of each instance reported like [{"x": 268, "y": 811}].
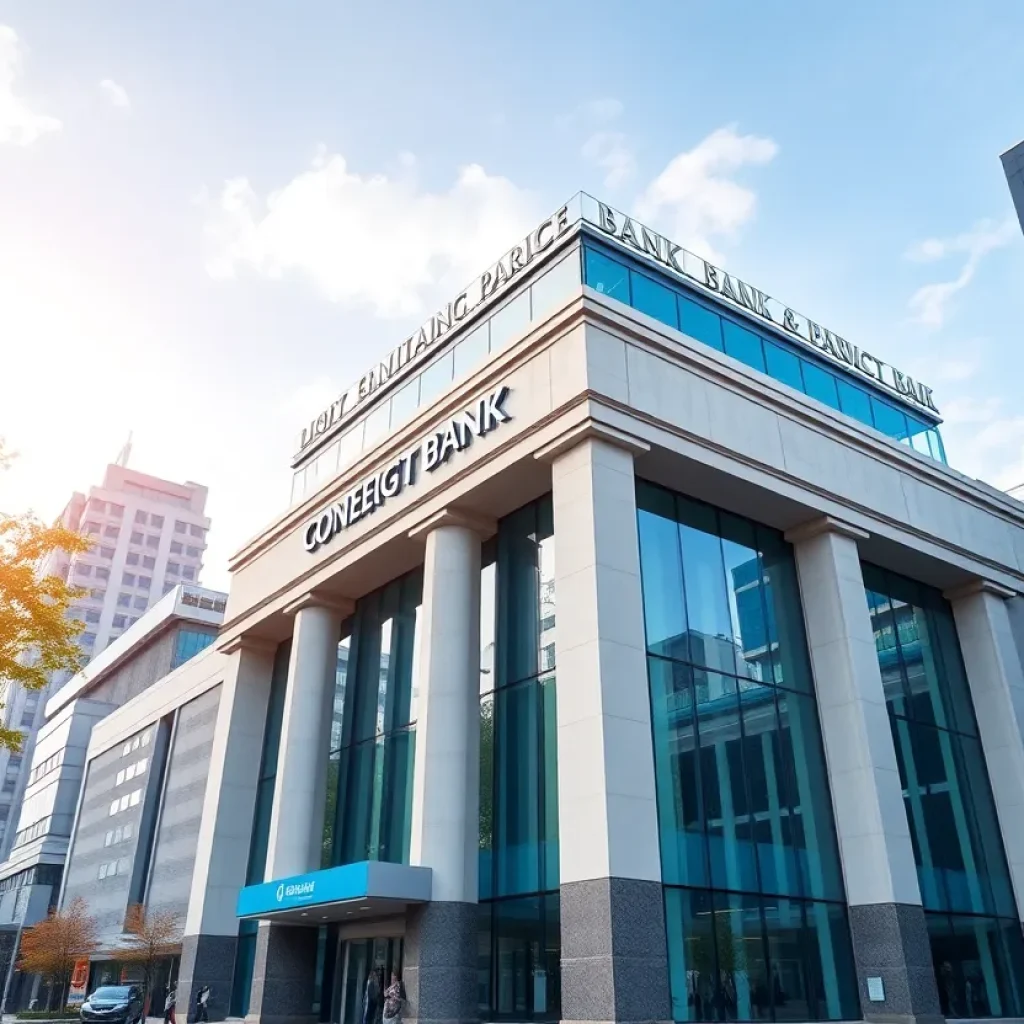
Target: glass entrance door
[{"x": 357, "y": 998}]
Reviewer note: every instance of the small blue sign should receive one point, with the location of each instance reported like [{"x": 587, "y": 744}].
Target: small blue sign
[{"x": 348, "y": 882}]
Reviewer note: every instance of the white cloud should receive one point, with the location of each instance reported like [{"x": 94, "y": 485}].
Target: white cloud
[
  {"x": 115, "y": 93},
  {"x": 929, "y": 305},
  {"x": 696, "y": 195},
  {"x": 611, "y": 152},
  {"x": 19, "y": 124},
  {"x": 368, "y": 240}
]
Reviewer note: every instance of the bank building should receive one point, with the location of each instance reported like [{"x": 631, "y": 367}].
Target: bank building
[{"x": 628, "y": 652}]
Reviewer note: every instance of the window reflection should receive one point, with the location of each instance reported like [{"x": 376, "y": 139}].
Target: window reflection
[{"x": 754, "y": 897}]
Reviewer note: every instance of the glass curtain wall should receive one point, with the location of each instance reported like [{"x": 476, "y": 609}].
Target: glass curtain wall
[
  {"x": 259, "y": 843},
  {"x": 977, "y": 947},
  {"x": 369, "y": 783},
  {"x": 519, "y": 937},
  {"x": 754, "y": 900}
]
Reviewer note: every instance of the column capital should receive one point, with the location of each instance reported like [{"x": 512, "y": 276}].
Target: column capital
[
  {"x": 485, "y": 526},
  {"x": 249, "y": 642},
  {"x": 824, "y": 524},
  {"x": 590, "y": 430},
  {"x": 978, "y": 586},
  {"x": 319, "y": 599}
]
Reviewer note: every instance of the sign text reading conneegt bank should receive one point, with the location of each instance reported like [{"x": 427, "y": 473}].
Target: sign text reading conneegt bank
[{"x": 432, "y": 452}]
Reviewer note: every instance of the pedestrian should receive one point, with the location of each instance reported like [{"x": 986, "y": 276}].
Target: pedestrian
[
  {"x": 202, "y": 1000},
  {"x": 169, "y": 1006},
  {"x": 394, "y": 1000},
  {"x": 371, "y": 997}
]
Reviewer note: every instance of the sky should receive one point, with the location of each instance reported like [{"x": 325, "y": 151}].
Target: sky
[{"x": 213, "y": 217}]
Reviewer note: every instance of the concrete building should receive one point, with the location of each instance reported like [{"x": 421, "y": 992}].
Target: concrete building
[
  {"x": 150, "y": 535},
  {"x": 1013, "y": 167},
  {"x": 629, "y": 652},
  {"x": 178, "y": 627}
]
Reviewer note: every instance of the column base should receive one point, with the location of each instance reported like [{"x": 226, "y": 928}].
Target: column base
[
  {"x": 283, "y": 975},
  {"x": 890, "y": 941},
  {"x": 440, "y": 969},
  {"x": 614, "y": 952},
  {"x": 205, "y": 960}
]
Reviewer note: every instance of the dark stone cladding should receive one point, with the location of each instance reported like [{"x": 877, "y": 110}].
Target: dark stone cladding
[
  {"x": 284, "y": 975},
  {"x": 890, "y": 941},
  {"x": 614, "y": 951},
  {"x": 440, "y": 964},
  {"x": 206, "y": 960}
]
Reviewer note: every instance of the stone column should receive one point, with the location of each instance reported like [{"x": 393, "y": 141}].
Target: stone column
[
  {"x": 441, "y": 937},
  {"x": 614, "y": 960},
  {"x": 890, "y": 938},
  {"x": 996, "y": 680},
  {"x": 225, "y": 831},
  {"x": 285, "y": 961}
]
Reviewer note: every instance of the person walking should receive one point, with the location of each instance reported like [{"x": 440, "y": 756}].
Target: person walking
[
  {"x": 169, "y": 1001},
  {"x": 202, "y": 1002}
]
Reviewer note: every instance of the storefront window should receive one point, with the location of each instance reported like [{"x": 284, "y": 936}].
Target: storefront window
[
  {"x": 519, "y": 917},
  {"x": 370, "y": 769},
  {"x": 977, "y": 947},
  {"x": 754, "y": 901}
]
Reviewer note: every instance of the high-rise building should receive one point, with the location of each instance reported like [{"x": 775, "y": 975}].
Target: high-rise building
[
  {"x": 148, "y": 536},
  {"x": 1013, "y": 165}
]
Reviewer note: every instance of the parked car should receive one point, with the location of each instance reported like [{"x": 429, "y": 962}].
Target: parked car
[{"x": 116, "y": 1004}]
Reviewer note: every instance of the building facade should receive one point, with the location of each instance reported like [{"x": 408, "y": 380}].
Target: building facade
[
  {"x": 629, "y": 652},
  {"x": 1013, "y": 167},
  {"x": 148, "y": 536},
  {"x": 177, "y": 628}
]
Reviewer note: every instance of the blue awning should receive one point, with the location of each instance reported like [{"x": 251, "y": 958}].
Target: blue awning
[{"x": 331, "y": 894}]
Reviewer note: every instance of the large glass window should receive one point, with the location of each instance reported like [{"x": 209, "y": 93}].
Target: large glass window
[
  {"x": 977, "y": 948},
  {"x": 754, "y": 899},
  {"x": 780, "y": 359},
  {"x": 519, "y": 918},
  {"x": 189, "y": 643},
  {"x": 373, "y": 732}
]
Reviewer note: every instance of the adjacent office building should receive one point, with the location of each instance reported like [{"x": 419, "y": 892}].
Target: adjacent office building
[
  {"x": 1013, "y": 166},
  {"x": 149, "y": 535},
  {"x": 177, "y": 628},
  {"x": 629, "y": 652}
]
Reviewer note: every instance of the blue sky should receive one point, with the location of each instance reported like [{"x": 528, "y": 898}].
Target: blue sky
[{"x": 842, "y": 157}]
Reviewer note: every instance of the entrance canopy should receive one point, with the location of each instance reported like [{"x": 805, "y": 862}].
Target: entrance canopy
[{"x": 363, "y": 890}]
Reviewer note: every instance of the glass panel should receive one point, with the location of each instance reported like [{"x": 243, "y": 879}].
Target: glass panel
[
  {"x": 607, "y": 276},
  {"x": 743, "y": 576},
  {"x": 488, "y": 598},
  {"x": 510, "y": 321},
  {"x": 935, "y": 446},
  {"x": 661, "y": 573},
  {"x": 554, "y": 287},
  {"x": 743, "y": 345},
  {"x": 405, "y": 402},
  {"x": 789, "y": 991},
  {"x": 742, "y": 970},
  {"x": 820, "y": 384},
  {"x": 918, "y": 435},
  {"x": 828, "y": 956},
  {"x": 855, "y": 402},
  {"x": 693, "y": 966},
  {"x": 783, "y": 365},
  {"x": 677, "y": 774},
  {"x": 376, "y": 426},
  {"x": 350, "y": 446},
  {"x": 486, "y": 860},
  {"x": 700, "y": 322},
  {"x": 791, "y": 665},
  {"x": 654, "y": 299},
  {"x": 436, "y": 379},
  {"x": 472, "y": 350},
  {"x": 888, "y": 419}
]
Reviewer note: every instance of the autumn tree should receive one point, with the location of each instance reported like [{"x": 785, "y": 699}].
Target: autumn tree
[
  {"x": 150, "y": 935},
  {"x": 36, "y": 636},
  {"x": 52, "y": 947}
]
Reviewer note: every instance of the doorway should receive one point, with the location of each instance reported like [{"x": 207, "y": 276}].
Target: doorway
[{"x": 357, "y": 958}]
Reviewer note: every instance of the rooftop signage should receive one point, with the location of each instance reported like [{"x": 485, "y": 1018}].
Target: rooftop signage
[
  {"x": 418, "y": 347},
  {"x": 691, "y": 268},
  {"x": 431, "y": 453}
]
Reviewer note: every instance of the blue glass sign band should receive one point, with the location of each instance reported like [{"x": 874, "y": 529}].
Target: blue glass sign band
[
  {"x": 678, "y": 261},
  {"x": 343, "y": 883},
  {"x": 431, "y": 453}
]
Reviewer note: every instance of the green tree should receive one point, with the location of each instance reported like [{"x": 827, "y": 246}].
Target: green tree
[{"x": 36, "y": 636}]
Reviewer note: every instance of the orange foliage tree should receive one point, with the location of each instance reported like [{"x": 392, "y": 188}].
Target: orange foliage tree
[
  {"x": 52, "y": 947},
  {"x": 150, "y": 935}
]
